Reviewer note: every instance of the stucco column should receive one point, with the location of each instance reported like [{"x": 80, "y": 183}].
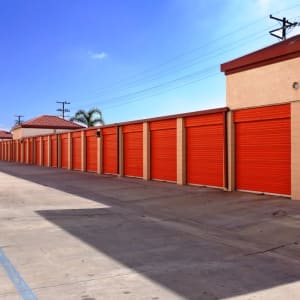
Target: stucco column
[
  {"x": 99, "y": 152},
  {"x": 70, "y": 152},
  {"x": 295, "y": 150},
  {"x": 230, "y": 152},
  {"x": 49, "y": 152},
  {"x": 27, "y": 151},
  {"x": 9, "y": 150},
  {"x": 2, "y": 150},
  {"x": 40, "y": 163},
  {"x": 83, "y": 151},
  {"x": 181, "y": 152},
  {"x": 121, "y": 151},
  {"x": 58, "y": 141},
  {"x": 146, "y": 151}
]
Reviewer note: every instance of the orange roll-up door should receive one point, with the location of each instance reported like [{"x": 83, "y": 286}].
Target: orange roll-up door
[
  {"x": 53, "y": 151},
  {"x": 133, "y": 149},
  {"x": 30, "y": 158},
  {"x": 64, "y": 150},
  {"x": 163, "y": 150},
  {"x": 13, "y": 151},
  {"x": 91, "y": 150},
  {"x": 205, "y": 149},
  {"x": 45, "y": 150},
  {"x": 76, "y": 150},
  {"x": 25, "y": 145},
  {"x": 19, "y": 151},
  {"x": 263, "y": 149},
  {"x": 38, "y": 150},
  {"x": 110, "y": 150}
]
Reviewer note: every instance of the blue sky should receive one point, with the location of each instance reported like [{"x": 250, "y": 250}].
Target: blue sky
[{"x": 132, "y": 59}]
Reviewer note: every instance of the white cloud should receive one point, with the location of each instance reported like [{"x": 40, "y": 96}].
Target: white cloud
[
  {"x": 98, "y": 55},
  {"x": 264, "y": 4}
]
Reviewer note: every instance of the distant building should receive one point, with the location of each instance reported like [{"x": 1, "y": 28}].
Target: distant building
[
  {"x": 5, "y": 136},
  {"x": 43, "y": 125}
]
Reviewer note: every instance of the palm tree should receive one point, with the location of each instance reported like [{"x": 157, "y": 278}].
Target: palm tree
[{"x": 91, "y": 118}]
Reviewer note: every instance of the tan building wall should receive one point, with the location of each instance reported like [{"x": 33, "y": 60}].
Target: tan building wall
[
  {"x": 271, "y": 84},
  {"x": 26, "y": 132},
  {"x": 295, "y": 151}
]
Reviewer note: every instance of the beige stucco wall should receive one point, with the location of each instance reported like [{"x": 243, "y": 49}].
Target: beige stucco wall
[
  {"x": 181, "y": 156},
  {"x": 25, "y": 132},
  {"x": 146, "y": 151},
  {"x": 295, "y": 150},
  {"x": 264, "y": 85},
  {"x": 230, "y": 151}
]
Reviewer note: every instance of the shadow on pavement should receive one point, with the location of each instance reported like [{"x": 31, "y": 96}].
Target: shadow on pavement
[{"x": 171, "y": 235}]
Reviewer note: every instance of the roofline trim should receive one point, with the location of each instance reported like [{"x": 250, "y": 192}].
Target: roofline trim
[{"x": 275, "y": 53}]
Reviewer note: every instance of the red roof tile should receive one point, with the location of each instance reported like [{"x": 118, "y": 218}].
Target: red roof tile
[
  {"x": 5, "y": 135},
  {"x": 281, "y": 51},
  {"x": 50, "y": 122}
]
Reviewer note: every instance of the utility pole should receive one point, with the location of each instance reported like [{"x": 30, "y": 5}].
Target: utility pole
[
  {"x": 19, "y": 121},
  {"x": 286, "y": 24},
  {"x": 63, "y": 110}
]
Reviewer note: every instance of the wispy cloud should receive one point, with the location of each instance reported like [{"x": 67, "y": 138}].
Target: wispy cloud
[
  {"x": 264, "y": 4},
  {"x": 98, "y": 55}
]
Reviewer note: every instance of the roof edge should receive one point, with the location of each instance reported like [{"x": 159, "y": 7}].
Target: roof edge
[{"x": 278, "y": 52}]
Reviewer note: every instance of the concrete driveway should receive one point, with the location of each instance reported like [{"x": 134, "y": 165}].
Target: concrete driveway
[{"x": 72, "y": 235}]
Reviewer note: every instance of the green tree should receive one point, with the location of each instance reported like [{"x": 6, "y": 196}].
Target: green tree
[{"x": 90, "y": 118}]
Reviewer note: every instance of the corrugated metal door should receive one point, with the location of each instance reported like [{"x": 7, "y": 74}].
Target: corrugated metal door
[
  {"x": 163, "y": 150},
  {"x": 133, "y": 150},
  {"x": 38, "y": 151},
  {"x": 205, "y": 143},
  {"x": 110, "y": 150},
  {"x": 30, "y": 158},
  {"x": 25, "y": 145},
  {"x": 263, "y": 149},
  {"x": 54, "y": 151},
  {"x": 64, "y": 150},
  {"x": 91, "y": 150},
  {"x": 19, "y": 151},
  {"x": 45, "y": 151},
  {"x": 76, "y": 150}
]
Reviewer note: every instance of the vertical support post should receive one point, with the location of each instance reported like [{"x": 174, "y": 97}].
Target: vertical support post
[
  {"x": 58, "y": 149},
  {"x": 70, "y": 152},
  {"x": 230, "y": 151},
  {"x": 33, "y": 151},
  {"x": 41, "y": 151},
  {"x": 27, "y": 151},
  {"x": 121, "y": 151},
  {"x": 49, "y": 151},
  {"x": 9, "y": 150},
  {"x": 181, "y": 152},
  {"x": 83, "y": 151},
  {"x": 16, "y": 150},
  {"x": 146, "y": 152},
  {"x": 100, "y": 152},
  {"x": 295, "y": 150}
]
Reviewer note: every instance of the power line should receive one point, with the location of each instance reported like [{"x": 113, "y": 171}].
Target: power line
[
  {"x": 138, "y": 99},
  {"x": 178, "y": 79},
  {"x": 63, "y": 110},
  {"x": 163, "y": 70},
  {"x": 184, "y": 54}
]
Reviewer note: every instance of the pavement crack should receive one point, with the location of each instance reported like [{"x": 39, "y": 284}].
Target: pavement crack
[{"x": 271, "y": 249}]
